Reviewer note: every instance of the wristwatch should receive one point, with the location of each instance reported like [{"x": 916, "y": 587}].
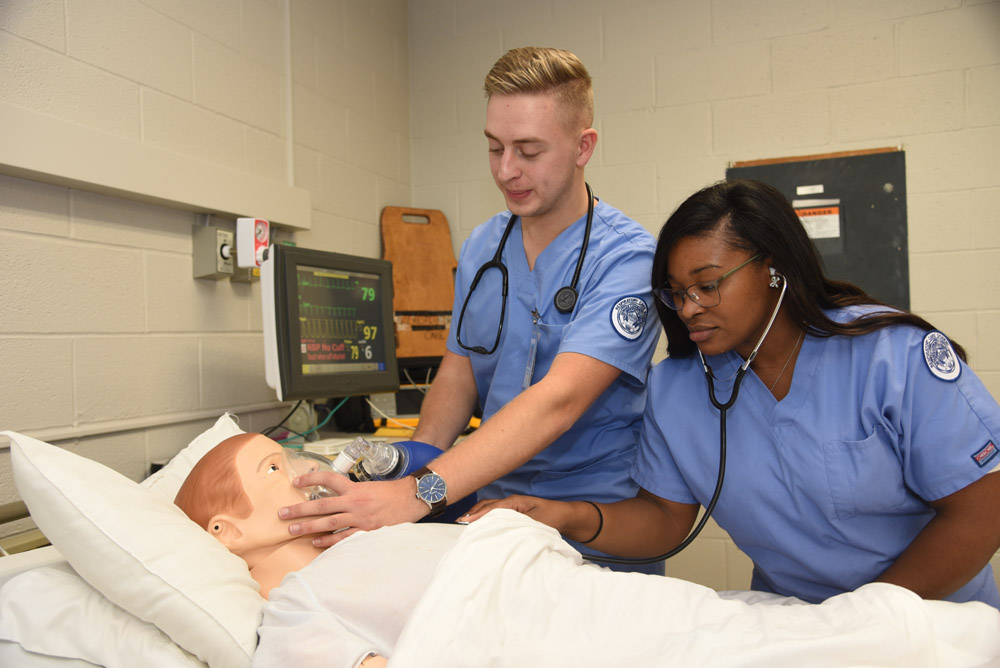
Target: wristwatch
[{"x": 432, "y": 490}]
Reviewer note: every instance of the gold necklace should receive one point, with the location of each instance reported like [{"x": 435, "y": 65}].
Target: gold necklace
[{"x": 782, "y": 372}]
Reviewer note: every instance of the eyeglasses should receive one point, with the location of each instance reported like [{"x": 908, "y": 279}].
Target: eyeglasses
[{"x": 704, "y": 294}]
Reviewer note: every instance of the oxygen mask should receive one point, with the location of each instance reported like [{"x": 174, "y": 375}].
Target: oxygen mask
[{"x": 301, "y": 462}]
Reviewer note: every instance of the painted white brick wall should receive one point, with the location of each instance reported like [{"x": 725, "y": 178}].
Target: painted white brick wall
[
  {"x": 177, "y": 125},
  {"x": 233, "y": 85},
  {"x": 43, "y": 80},
  {"x": 743, "y": 70},
  {"x": 38, "y": 376},
  {"x": 40, "y": 22},
  {"x": 965, "y": 37},
  {"x": 834, "y": 57},
  {"x": 43, "y": 293},
  {"x": 102, "y": 324},
  {"x": 154, "y": 50},
  {"x": 909, "y": 106},
  {"x": 219, "y": 20}
]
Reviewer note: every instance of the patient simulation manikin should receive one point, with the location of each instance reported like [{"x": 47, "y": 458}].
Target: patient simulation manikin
[
  {"x": 234, "y": 493},
  {"x": 507, "y": 590}
]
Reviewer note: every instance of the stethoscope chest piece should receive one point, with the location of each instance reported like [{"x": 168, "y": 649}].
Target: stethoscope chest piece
[{"x": 565, "y": 299}]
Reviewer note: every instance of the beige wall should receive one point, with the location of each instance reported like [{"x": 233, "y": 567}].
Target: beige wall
[
  {"x": 109, "y": 346},
  {"x": 683, "y": 87},
  {"x": 376, "y": 102}
]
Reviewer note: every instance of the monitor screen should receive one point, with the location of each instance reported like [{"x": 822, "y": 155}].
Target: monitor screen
[{"x": 328, "y": 325}]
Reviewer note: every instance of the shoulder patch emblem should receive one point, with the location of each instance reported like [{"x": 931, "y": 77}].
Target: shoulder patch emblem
[
  {"x": 940, "y": 356},
  {"x": 628, "y": 316}
]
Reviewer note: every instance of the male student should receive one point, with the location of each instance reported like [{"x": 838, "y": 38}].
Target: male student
[{"x": 549, "y": 334}]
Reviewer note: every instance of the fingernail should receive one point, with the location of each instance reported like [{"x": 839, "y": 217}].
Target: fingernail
[
  {"x": 295, "y": 528},
  {"x": 283, "y": 512},
  {"x": 316, "y": 542}
]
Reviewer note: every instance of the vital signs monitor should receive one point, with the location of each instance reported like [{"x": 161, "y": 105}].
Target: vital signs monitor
[{"x": 328, "y": 324}]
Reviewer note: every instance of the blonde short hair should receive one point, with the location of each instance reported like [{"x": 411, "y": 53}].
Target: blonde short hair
[{"x": 535, "y": 69}]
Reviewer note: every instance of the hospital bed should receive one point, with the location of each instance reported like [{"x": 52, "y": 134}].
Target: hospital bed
[
  {"x": 128, "y": 575},
  {"x": 131, "y": 581}
]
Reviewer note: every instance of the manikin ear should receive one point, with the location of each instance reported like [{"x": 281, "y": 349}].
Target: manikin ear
[
  {"x": 226, "y": 530},
  {"x": 586, "y": 146}
]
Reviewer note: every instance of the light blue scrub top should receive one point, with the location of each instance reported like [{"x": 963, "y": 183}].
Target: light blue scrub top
[
  {"x": 824, "y": 489},
  {"x": 612, "y": 321}
]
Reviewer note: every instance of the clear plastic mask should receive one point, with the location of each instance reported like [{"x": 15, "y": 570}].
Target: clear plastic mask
[{"x": 303, "y": 461}]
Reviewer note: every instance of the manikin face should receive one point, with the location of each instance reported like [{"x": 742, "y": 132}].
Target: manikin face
[
  {"x": 262, "y": 466},
  {"x": 534, "y": 156},
  {"x": 746, "y": 302}
]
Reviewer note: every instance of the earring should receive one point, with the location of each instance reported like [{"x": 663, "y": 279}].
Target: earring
[
  {"x": 774, "y": 277},
  {"x": 216, "y": 528}
]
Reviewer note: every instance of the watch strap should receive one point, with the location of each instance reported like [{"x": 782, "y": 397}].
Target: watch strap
[{"x": 436, "y": 507}]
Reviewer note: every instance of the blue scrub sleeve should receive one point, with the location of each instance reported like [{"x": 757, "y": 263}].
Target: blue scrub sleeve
[
  {"x": 654, "y": 468},
  {"x": 945, "y": 427},
  {"x": 619, "y": 290}
]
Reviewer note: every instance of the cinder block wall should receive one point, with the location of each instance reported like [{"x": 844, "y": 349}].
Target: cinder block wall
[
  {"x": 684, "y": 87},
  {"x": 109, "y": 346}
]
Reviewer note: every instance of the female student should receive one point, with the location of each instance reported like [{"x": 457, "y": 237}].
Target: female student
[{"x": 860, "y": 446}]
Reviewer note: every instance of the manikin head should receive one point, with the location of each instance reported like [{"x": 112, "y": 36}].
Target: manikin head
[{"x": 234, "y": 492}]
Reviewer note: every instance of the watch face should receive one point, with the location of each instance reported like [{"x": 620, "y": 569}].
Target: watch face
[{"x": 431, "y": 488}]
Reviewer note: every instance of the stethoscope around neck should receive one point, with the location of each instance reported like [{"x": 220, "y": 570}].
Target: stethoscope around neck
[
  {"x": 723, "y": 408},
  {"x": 566, "y": 296}
]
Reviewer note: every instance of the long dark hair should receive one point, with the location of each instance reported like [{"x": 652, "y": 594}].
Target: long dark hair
[{"x": 757, "y": 218}]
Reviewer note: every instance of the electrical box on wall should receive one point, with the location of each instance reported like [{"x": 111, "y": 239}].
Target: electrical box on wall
[
  {"x": 212, "y": 255},
  {"x": 246, "y": 275}
]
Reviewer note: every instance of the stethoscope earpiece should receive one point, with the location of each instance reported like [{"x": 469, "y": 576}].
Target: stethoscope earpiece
[{"x": 776, "y": 278}]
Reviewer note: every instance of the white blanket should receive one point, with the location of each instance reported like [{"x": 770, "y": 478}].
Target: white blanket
[{"x": 512, "y": 593}]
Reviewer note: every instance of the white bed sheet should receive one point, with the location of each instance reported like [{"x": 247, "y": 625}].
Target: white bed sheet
[
  {"x": 11, "y": 653},
  {"x": 22, "y": 561},
  {"x": 51, "y": 618},
  {"x": 512, "y": 593}
]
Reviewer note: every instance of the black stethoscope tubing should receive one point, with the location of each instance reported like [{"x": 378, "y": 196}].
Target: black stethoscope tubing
[
  {"x": 723, "y": 410},
  {"x": 565, "y": 298}
]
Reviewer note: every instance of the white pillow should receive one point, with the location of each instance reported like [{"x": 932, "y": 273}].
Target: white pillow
[
  {"x": 140, "y": 550},
  {"x": 166, "y": 482}
]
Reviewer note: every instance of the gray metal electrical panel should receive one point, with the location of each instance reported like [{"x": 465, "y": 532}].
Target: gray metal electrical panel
[{"x": 854, "y": 207}]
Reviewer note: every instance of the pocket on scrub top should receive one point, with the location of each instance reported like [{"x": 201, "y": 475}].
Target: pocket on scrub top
[
  {"x": 866, "y": 477},
  {"x": 542, "y": 349}
]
